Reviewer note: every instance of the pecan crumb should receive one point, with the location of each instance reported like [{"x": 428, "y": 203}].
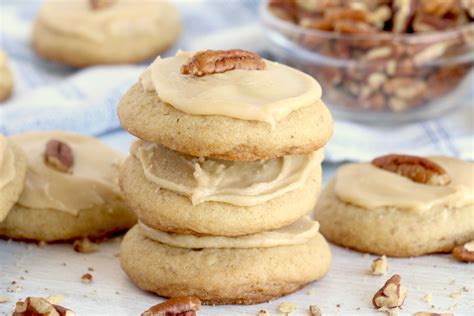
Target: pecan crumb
[
  {"x": 379, "y": 266},
  {"x": 101, "y": 4},
  {"x": 287, "y": 307},
  {"x": 428, "y": 297},
  {"x": 218, "y": 61},
  {"x": 314, "y": 310},
  {"x": 464, "y": 252},
  {"x": 86, "y": 278},
  {"x": 188, "y": 306},
  {"x": 58, "y": 155},
  {"x": 391, "y": 295},
  {"x": 263, "y": 312},
  {"x": 4, "y": 299},
  {"x": 84, "y": 246},
  {"x": 40, "y": 307},
  {"x": 415, "y": 168}
]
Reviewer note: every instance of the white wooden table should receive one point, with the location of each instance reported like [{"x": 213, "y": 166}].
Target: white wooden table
[{"x": 346, "y": 290}]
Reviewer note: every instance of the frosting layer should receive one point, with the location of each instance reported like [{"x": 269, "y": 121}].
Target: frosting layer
[
  {"x": 261, "y": 95},
  {"x": 93, "y": 181},
  {"x": 239, "y": 183},
  {"x": 123, "y": 19},
  {"x": 297, "y": 233},
  {"x": 370, "y": 187}
]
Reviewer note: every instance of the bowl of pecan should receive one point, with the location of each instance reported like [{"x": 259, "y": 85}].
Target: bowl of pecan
[{"x": 378, "y": 61}]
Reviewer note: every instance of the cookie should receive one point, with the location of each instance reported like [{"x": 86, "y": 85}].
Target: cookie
[
  {"x": 179, "y": 193},
  {"x": 6, "y": 77},
  {"x": 12, "y": 175},
  {"x": 76, "y": 33},
  {"x": 71, "y": 190},
  {"x": 238, "y": 114},
  {"x": 223, "y": 275},
  {"x": 400, "y": 206}
]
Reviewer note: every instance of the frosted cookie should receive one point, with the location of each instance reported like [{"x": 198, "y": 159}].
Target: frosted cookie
[
  {"x": 71, "y": 190},
  {"x": 230, "y": 105},
  {"x": 226, "y": 270},
  {"x": 12, "y": 175},
  {"x": 400, "y": 205},
  {"x": 180, "y": 193},
  {"x": 6, "y": 77},
  {"x": 82, "y": 33}
]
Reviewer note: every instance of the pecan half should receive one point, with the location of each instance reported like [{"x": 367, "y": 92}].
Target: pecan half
[
  {"x": 464, "y": 252},
  {"x": 36, "y": 306},
  {"x": 391, "y": 295},
  {"x": 187, "y": 306},
  {"x": 416, "y": 168},
  {"x": 218, "y": 61},
  {"x": 101, "y": 4},
  {"x": 58, "y": 155}
]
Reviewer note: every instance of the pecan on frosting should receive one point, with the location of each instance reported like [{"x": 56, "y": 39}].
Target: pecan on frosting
[
  {"x": 218, "y": 61},
  {"x": 59, "y": 156},
  {"x": 415, "y": 168}
]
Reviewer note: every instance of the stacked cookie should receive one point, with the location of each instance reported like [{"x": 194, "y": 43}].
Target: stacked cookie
[{"x": 227, "y": 165}]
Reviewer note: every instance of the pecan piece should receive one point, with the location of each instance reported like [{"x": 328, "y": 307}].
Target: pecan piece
[
  {"x": 218, "y": 61},
  {"x": 36, "y": 306},
  {"x": 404, "y": 11},
  {"x": 391, "y": 295},
  {"x": 431, "y": 314},
  {"x": 464, "y": 252},
  {"x": 416, "y": 168},
  {"x": 58, "y": 155},
  {"x": 101, "y": 4},
  {"x": 187, "y": 306}
]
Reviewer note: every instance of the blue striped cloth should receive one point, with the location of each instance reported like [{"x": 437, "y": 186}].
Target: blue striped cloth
[{"x": 53, "y": 96}]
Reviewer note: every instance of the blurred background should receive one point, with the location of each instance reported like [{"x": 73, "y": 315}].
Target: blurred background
[{"x": 395, "y": 82}]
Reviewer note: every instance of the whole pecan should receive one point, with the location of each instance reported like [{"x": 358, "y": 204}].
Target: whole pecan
[
  {"x": 416, "y": 168},
  {"x": 219, "y": 61},
  {"x": 464, "y": 252},
  {"x": 58, "y": 155},
  {"x": 178, "y": 306},
  {"x": 391, "y": 295},
  {"x": 36, "y": 306},
  {"x": 101, "y": 4}
]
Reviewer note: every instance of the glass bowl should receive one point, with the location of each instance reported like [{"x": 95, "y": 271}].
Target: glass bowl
[{"x": 379, "y": 78}]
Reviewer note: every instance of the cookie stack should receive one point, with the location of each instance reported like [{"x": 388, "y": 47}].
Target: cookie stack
[{"x": 227, "y": 165}]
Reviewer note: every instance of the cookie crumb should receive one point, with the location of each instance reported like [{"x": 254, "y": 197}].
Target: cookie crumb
[
  {"x": 4, "y": 299},
  {"x": 287, "y": 307},
  {"x": 428, "y": 297},
  {"x": 314, "y": 310},
  {"x": 84, "y": 246},
  {"x": 55, "y": 299},
  {"x": 379, "y": 266},
  {"x": 312, "y": 292},
  {"x": 455, "y": 295},
  {"x": 86, "y": 278},
  {"x": 263, "y": 312}
]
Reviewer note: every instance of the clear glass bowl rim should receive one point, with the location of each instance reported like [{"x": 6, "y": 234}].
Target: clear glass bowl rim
[{"x": 414, "y": 38}]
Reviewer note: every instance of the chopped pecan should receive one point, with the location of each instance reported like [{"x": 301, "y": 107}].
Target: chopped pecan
[
  {"x": 58, "y": 155},
  {"x": 219, "y": 61},
  {"x": 391, "y": 295},
  {"x": 36, "y": 306},
  {"x": 86, "y": 278},
  {"x": 464, "y": 252},
  {"x": 187, "y": 306},
  {"x": 404, "y": 11},
  {"x": 84, "y": 246},
  {"x": 379, "y": 266},
  {"x": 314, "y": 310},
  {"x": 101, "y": 4},
  {"x": 416, "y": 168}
]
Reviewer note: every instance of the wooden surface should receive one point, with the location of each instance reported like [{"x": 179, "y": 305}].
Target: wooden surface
[{"x": 346, "y": 290}]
